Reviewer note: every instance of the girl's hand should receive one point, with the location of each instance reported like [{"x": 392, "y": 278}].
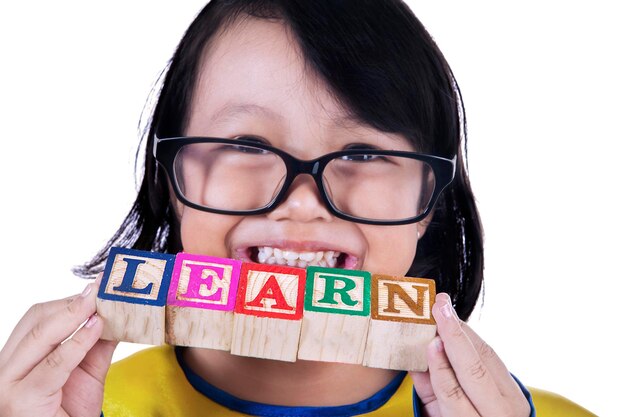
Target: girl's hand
[
  {"x": 465, "y": 376},
  {"x": 45, "y": 374}
]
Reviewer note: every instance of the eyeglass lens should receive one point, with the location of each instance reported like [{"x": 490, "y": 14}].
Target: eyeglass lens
[{"x": 242, "y": 178}]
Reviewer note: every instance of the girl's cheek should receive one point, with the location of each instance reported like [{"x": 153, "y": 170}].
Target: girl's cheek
[
  {"x": 205, "y": 233},
  {"x": 391, "y": 249}
]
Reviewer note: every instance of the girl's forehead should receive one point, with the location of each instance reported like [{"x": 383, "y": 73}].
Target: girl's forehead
[
  {"x": 259, "y": 60},
  {"x": 253, "y": 76}
]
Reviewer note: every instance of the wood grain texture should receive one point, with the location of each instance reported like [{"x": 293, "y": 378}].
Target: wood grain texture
[
  {"x": 265, "y": 337},
  {"x": 398, "y": 345},
  {"x": 132, "y": 322},
  {"x": 198, "y": 327},
  {"x": 333, "y": 337}
]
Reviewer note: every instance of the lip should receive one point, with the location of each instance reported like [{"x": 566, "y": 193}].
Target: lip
[{"x": 242, "y": 251}]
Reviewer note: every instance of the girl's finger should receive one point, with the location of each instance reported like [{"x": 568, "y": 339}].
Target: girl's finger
[
  {"x": 506, "y": 384},
  {"x": 89, "y": 378},
  {"x": 97, "y": 361},
  {"x": 470, "y": 370},
  {"x": 48, "y": 333},
  {"x": 51, "y": 374},
  {"x": 451, "y": 398},
  {"x": 424, "y": 390},
  {"x": 34, "y": 315}
]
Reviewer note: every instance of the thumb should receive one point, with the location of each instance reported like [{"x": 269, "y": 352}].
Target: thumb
[
  {"x": 84, "y": 390},
  {"x": 424, "y": 390},
  {"x": 423, "y": 387},
  {"x": 98, "y": 359}
]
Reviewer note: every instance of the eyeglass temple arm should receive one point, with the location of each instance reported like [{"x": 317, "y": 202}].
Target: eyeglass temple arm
[{"x": 154, "y": 145}]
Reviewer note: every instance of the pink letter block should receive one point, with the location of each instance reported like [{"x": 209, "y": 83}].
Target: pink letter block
[{"x": 201, "y": 301}]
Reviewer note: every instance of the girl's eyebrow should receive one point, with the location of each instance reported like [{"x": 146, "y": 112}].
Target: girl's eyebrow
[{"x": 231, "y": 110}]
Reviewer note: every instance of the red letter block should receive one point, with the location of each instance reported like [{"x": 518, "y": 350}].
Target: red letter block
[{"x": 268, "y": 312}]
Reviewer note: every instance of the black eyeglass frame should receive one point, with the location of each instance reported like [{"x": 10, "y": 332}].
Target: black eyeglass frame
[{"x": 166, "y": 149}]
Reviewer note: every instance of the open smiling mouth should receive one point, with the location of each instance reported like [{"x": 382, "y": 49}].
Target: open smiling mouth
[{"x": 274, "y": 256}]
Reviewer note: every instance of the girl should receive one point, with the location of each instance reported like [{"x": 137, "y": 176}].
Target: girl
[{"x": 259, "y": 85}]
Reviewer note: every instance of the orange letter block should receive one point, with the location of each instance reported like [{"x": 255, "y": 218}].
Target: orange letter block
[{"x": 402, "y": 324}]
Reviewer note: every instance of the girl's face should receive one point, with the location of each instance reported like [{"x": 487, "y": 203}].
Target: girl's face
[{"x": 253, "y": 81}]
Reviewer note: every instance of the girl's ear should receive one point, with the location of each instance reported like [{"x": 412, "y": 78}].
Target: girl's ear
[{"x": 423, "y": 225}]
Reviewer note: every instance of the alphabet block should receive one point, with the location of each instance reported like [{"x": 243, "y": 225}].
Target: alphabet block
[
  {"x": 132, "y": 295},
  {"x": 336, "y": 315},
  {"x": 201, "y": 301},
  {"x": 268, "y": 311},
  {"x": 402, "y": 324}
]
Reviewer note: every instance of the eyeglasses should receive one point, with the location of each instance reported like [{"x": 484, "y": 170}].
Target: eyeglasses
[{"x": 243, "y": 177}]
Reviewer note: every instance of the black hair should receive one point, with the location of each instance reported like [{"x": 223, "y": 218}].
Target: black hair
[{"x": 383, "y": 66}]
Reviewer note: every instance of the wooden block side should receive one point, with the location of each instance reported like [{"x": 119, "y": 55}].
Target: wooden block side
[
  {"x": 398, "y": 345},
  {"x": 404, "y": 299},
  {"x": 271, "y": 291},
  {"x": 204, "y": 282},
  {"x": 333, "y": 337},
  {"x": 264, "y": 337},
  {"x": 198, "y": 327},
  {"x": 131, "y": 322}
]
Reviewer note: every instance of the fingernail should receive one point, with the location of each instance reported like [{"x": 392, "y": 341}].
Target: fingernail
[
  {"x": 92, "y": 320},
  {"x": 86, "y": 291},
  {"x": 446, "y": 310}
]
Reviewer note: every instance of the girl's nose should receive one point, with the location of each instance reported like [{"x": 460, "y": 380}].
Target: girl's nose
[{"x": 303, "y": 203}]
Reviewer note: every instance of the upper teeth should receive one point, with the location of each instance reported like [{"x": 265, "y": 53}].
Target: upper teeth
[{"x": 271, "y": 256}]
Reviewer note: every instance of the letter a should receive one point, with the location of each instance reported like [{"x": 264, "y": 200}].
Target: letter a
[{"x": 271, "y": 290}]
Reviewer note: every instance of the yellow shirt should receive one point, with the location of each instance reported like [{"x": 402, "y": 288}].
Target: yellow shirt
[{"x": 153, "y": 383}]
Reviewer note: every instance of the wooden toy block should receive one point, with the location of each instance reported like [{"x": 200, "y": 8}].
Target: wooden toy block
[
  {"x": 402, "y": 324},
  {"x": 201, "y": 301},
  {"x": 268, "y": 312},
  {"x": 336, "y": 315},
  {"x": 132, "y": 295}
]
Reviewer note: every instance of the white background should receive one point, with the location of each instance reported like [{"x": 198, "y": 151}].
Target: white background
[{"x": 543, "y": 83}]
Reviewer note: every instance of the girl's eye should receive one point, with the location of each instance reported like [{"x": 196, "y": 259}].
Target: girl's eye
[
  {"x": 363, "y": 157},
  {"x": 252, "y": 140}
]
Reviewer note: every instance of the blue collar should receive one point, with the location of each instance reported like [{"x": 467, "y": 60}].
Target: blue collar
[{"x": 266, "y": 410}]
